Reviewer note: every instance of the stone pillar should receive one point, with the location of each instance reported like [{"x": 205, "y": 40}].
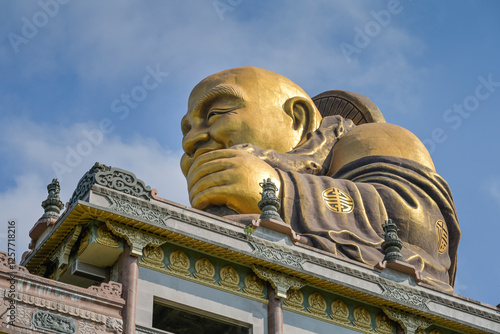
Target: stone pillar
[
  {"x": 128, "y": 276},
  {"x": 274, "y": 312}
]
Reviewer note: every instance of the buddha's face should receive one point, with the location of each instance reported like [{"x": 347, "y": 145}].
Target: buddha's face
[{"x": 238, "y": 106}]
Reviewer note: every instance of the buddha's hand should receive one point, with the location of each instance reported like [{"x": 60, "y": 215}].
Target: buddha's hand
[{"x": 228, "y": 177}]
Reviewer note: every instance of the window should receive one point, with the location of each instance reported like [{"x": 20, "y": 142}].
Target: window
[{"x": 179, "y": 321}]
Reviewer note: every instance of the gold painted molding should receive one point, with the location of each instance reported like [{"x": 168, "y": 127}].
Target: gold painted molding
[
  {"x": 384, "y": 324},
  {"x": 317, "y": 304},
  {"x": 410, "y": 323},
  {"x": 106, "y": 238},
  {"x": 61, "y": 255},
  {"x": 153, "y": 255},
  {"x": 279, "y": 281},
  {"x": 340, "y": 312},
  {"x": 362, "y": 318},
  {"x": 136, "y": 239}
]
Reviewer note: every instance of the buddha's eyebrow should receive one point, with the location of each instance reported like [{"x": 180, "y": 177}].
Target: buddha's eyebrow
[{"x": 217, "y": 91}]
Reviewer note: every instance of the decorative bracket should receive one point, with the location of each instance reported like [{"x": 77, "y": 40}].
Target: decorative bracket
[
  {"x": 410, "y": 323},
  {"x": 136, "y": 239},
  {"x": 61, "y": 255},
  {"x": 279, "y": 281}
]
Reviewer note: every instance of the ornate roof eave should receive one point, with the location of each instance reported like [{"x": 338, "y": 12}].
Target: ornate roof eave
[{"x": 227, "y": 239}]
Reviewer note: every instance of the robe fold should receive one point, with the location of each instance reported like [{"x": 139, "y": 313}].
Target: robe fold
[
  {"x": 344, "y": 213},
  {"x": 415, "y": 197}
]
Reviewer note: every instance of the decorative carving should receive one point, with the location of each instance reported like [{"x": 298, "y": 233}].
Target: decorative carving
[
  {"x": 254, "y": 286},
  {"x": 340, "y": 312},
  {"x": 317, "y": 304},
  {"x": 338, "y": 201},
  {"x": 280, "y": 282},
  {"x": 407, "y": 297},
  {"x": 123, "y": 181},
  {"x": 86, "y": 182},
  {"x": 84, "y": 241},
  {"x": 60, "y": 307},
  {"x": 106, "y": 238},
  {"x": 295, "y": 299},
  {"x": 229, "y": 278},
  {"x": 153, "y": 256},
  {"x": 8, "y": 262},
  {"x": 23, "y": 316},
  {"x": 87, "y": 327},
  {"x": 205, "y": 270},
  {"x": 384, "y": 324},
  {"x": 410, "y": 323},
  {"x": 111, "y": 177},
  {"x": 54, "y": 322},
  {"x": 61, "y": 255},
  {"x": 442, "y": 236},
  {"x": 135, "y": 238},
  {"x": 5, "y": 260},
  {"x": 131, "y": 209},
  {"x": 179, "y": 262},
  {"x": 362, "y": 318},
  {"x": 277, "y": 254},
  {"x": 111, "y": 289},
  {"x": 114, "y": 325}
]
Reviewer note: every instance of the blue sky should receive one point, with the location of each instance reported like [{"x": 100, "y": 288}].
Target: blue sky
[{"x": 108, "y": 81}]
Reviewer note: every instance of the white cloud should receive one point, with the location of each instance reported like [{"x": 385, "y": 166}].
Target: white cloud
[
  {"x": 460, "y": 288},
  {"x": 103, "y": 47},
  {"x": 22, "y": 204},
  {"x": 301, "y": 41},
  {"x": 35, "y": 147},
  {"x": 493, "y": 187}
]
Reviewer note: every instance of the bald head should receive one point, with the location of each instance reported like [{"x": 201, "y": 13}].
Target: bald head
[
  {"x": 247, "y": 105},
  {"x": 269, "y": 88}
]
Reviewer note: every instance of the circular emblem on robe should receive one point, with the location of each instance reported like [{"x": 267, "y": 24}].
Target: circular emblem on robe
[
  {"x": 442, "y": 236},
  {"x": 338, "y": 201}
]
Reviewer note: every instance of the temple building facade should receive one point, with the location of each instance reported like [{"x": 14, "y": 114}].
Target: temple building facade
[{"x": 121, "y": 259}]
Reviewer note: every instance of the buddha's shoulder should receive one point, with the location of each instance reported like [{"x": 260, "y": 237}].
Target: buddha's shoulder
[{"x": 379, "y": 139}]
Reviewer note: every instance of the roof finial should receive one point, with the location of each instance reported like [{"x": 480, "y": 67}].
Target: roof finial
[
  {"x": 392, "y": 245},
  {"x": 270, "y": 204},
  {"x": 52, "y": 205}
]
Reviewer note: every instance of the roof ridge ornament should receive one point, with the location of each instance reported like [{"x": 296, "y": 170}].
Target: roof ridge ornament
[{"x": 113, "y": 178}]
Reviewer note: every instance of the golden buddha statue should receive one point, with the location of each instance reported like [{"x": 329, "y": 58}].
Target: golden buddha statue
[{"x": 341, "y": 173}]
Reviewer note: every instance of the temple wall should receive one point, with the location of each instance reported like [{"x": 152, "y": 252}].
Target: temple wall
[
  {"x": 31, "y": 303},
  {"x": 197, "y": 298}
]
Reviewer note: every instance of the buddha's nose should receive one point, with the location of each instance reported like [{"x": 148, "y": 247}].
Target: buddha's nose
[{"x": 193, "y": 140}]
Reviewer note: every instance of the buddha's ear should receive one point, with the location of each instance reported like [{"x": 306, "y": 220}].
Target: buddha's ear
[{"x": 303, "y": 113}]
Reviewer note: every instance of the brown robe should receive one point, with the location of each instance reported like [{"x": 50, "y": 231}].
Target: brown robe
[{"x": 415, "y": 197}]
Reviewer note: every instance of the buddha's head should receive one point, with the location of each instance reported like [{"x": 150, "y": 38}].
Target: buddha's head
[{"x": 246, "y": 105}]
